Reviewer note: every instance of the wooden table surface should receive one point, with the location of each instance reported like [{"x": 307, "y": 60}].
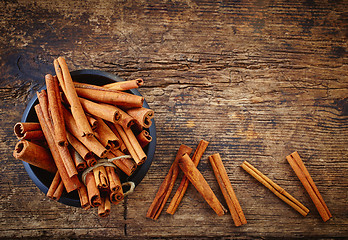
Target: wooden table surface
[{"x": 257, "y": 79}]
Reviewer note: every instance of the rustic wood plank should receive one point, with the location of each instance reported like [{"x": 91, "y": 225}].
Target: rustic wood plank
[{"x": 257, "y": 79}]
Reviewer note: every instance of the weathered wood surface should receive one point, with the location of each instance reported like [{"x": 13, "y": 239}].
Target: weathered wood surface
[{"x": 257, "y": 79}]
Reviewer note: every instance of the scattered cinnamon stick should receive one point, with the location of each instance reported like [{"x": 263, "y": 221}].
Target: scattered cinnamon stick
[
  {"x": 69, "y": 90},
  {"x": 198, "y": 181},
  {"x": 179, "y": 194},
  {"x": 125, "y": 85},
  {"x": 275, "y": 188},
  {"x": 167, "y": 185},
  {"x": 35, "y": 155},
  {"x": 302, "y": 173},
  {"x": 227, "y": 190}
]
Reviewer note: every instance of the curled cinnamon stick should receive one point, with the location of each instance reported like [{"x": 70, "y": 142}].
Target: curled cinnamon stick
[
  {"x": 135, "y": 145},
  {"x": 35, "y": 155},
  {"x": 69, "y": 90},
  {"x": 197, "y": 179},
  {"x": 93, "y": 192},
  {"x": 227, "y": 190},
  {"x": 167, "y": 185},
  {"x": 91, "y": 143},
  {"x": 101, "y": 178},
  {"x": 106, "y": 136},
  {"x": 79, "y": 147},
  {"x": 54, "y": 185},
  {"x": 83, "y": 195},
  {"x": 70, "y": 183},
  {"x": 28, "y": 131},
  {"x": 107, "y": 112},
  {"x": 142, "y": 116},
  {"x": 144, "y": 138},
  {"x": 111, "y": 97},
  {"x": 302, "y": 173},
  {"x": 55, "y": 109},
  {"x": 125, "y": 85},
  {"x": 104, "y": 208},
  {"x": 128, "y": 144},
  {"x": 93, "y": 122},
  {"x": 179, "y": 194},
  {"x": 275, "y": 188},
  {"x": 80, "y": 163},
  {"x": 126, "y": 165}
]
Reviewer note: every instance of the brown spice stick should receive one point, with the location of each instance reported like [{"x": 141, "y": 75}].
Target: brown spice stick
[
  {"x": 122, "y": 147},
  {"x": 93, "y": 192},
  {"x": 277, "y": 190},
  {"x": 180, "y": 192},
  {"x": 79, "y": 147},
  {"x": 80, "y": 163},
  {"x": 91, "y": 143},
  {"x": 198, "y": 181},
  {"x": 114, "y": 179},
  {"x": 142, "y": 116},
  {"x": 35, "y": 155},
  {"x": 227, "y": 190},
  {"x": 83, "y": 195},
  {"x": 111, "y": 97},
  {"x": 125, "y": 85},
  {"x": 72, "y": 183},
  {"x": 144, "y": 138},
  {"x": 106, "y": 136},
  {"x": 21, "y": 128},
  {"x": 126, "y": 165},
  {"x": 33, "y": 135},
  {"x": 54, "y": 185},
  {"x": 136, "y": 146},
  {"x": 101, "y": 178},
  {"x": 167, "y": 185},
  {"x": 105, "y": 207},
  {"x": 93, "y": 122},
  {"x": 54, "y": 104},
  {"x": 297, "y": 165},
  {"x": 71, "y": 95},
  {"x": 59, "y": 191},
  {"x": 128, "y": 144}
]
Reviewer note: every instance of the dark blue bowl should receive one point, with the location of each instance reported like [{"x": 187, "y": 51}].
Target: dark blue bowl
[{"x": 43, "y": 179}]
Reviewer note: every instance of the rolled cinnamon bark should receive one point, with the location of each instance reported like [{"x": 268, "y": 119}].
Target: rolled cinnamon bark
[
  {"x": 116, "y": 197},
  {"x": 122, "y": 147},
  {"x": 111, "y": 97},
  {"x": 179, "y": 194},
  {"x": 167, "y": 185},
  {"x": 126, "y": 165},
  {"x": 227, "y": 190},
  {"x": 28, "y": 131},
  {"x": 83, "y": 195},
  {"x": 142, "y": 116},
  {"x": 91, "y": 143},
  {"x": 54, "y": 185},
  {"x": 136, "y": 146},
  {"x": 101, "y": 178},
  {"x": 144, "y": 138},
  {"x": 107, "y": 112},
  {"x": 54, "y": 104},
  {"x": 59, "y": 191},
  {"x": 128, "y": 144},
  {"x": 197, "y": 179},
  {"x": 35, "y": 155},
  {"x": 114, "y": 179},
  {"x": 71, "y": 95},
  {"x": 79, "y": 147},
  {"x": 93, "y": 192},
  {"x": 105, "y": 207},
  {"x": 72, "y": 183},
  {"x": 93, "y": 122},
  {"x": 106, "y": 136},
  {"x": 80, "y": 163},
  {"x": 125, "y": 85},
  {"x": 63, "y": 150}
]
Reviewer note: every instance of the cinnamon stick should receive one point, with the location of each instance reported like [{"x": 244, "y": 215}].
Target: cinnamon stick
[
  {"x": 125, "y": 85},
  {"x": 69, "y": 90},
  {"x": 106, "y": 136},
  {"x": 35, "y": 155},
  {"x": 126, "y": 165},
  {"x": 54, "y": 185},
  {"x": 142, "y": 116},
  {"x": 93, "y": 192},
  {"x": 104, "y": 208},
  {"x": 107, "y": 112},
  {"x": 83, "y": 195},
  {"x": 122, "y": 147},
  {"x": 101, "y": 178},
  {"x": 128, "y": 144},
  {"x": 167, "y": 185},
  {"x": 80, "y": 163},
  {"x": 144, "y": 138},
  {"x": 302, "y": 173},
  {"x": 227, "y": 190},
  {"x": 93, "y": 122},
  {"x": 198, "y": 181},
  {"x": 28, "y": 131},
  {"x": 136, "y": 146},
  {"x": 111, "y": 97},
  {"x": 275, "y": 188},
  {"x": 72, "y": 183},
  {"x": 180, "y": 192},
  {"x": 79, "y": 147},
  {"x": 91, "y": 143},
  {"x": 116, "y": 192},
  {"x": 54, "y": 104}
]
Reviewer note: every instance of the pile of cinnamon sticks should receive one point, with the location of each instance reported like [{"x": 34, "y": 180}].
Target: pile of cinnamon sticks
[{"x": 87, "y": 136}]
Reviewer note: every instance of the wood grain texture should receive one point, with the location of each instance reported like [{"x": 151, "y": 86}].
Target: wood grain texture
[{"x": 257, "y": 79}]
